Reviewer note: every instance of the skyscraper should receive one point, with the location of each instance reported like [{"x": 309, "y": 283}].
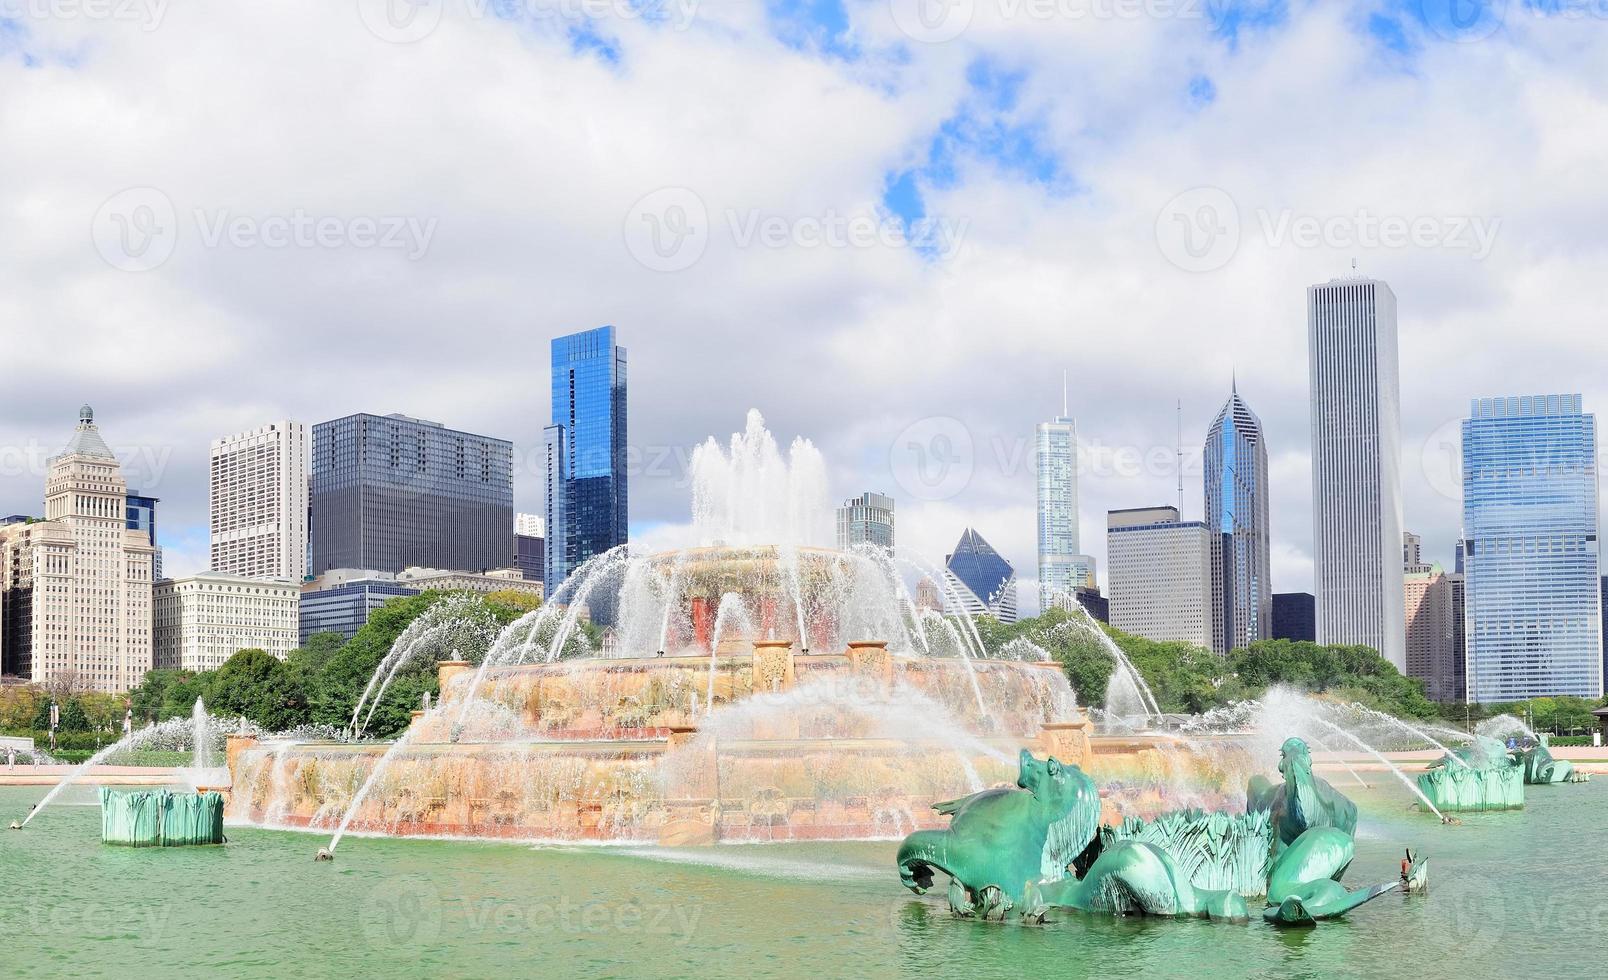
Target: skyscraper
[
  {"x": 979, "y": 581},
  {"x": 587, "y": 502},
  {"x": 1237, "y": 526},
  {"x": 1534, "y": 604},
  {"x": 142, "y": 517},
  {"x": 530, "y": 544},
  {"x": 866, "y": 519},
  {"x": 1429, "y": 603},
  {"x": 1356, "y": 466},
  {"x": 77, "y": 585},
  {"x": 1061, "y": 568},
  {"x": 392, "y": 491},
  {"x": 258, "y": 498},
  {"x": 1159, "y": 570}
]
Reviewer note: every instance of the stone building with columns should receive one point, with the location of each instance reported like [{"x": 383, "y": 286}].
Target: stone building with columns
[{"x": 76, "y": 587}]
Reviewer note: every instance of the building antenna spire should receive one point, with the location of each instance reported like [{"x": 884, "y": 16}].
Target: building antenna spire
[{"x": 1063, "y": 394}]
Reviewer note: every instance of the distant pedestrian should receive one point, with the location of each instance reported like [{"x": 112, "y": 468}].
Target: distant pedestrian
[{"x": 11, "y": 757}]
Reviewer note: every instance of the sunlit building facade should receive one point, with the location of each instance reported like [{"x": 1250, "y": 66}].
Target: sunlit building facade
[{"x": 1356, "y": 466}]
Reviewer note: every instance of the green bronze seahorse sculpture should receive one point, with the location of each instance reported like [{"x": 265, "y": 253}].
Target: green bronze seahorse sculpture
[
  {"x": 1541, "y": 768},
  {"x": 1133, "y": 877},
  {"x": 1002, "y": 840},
  {"x": 1303, "y": 801},
  {"x": 1304, "y": 886}
]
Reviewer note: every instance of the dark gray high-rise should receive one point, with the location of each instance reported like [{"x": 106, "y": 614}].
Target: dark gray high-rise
[{"x": 391, "y": 491}]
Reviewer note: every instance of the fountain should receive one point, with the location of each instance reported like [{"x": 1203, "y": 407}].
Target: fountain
[{"x": 759, "y": 686}]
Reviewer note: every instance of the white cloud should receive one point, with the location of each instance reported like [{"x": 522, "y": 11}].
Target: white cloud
[{"x": 528, "y": 158}]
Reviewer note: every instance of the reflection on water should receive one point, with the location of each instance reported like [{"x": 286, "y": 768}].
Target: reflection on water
[{"x": 1512, "y": 894}]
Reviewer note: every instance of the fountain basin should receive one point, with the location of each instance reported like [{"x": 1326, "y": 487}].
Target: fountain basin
[{"x": 615, "y": 697}]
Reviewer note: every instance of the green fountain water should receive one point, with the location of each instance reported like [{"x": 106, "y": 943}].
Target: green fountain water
[{"x": 1506, "y": 900}]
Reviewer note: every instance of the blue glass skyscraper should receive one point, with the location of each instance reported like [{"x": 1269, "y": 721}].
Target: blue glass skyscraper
[
  {"x": 1534, "y": 605},
  {"x": 1237, "y": 520},
  {"x": 587, "y": 512}
]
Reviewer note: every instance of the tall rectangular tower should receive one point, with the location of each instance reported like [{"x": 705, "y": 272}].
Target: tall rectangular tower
[
  {"x": 1534, "y": 600},
  {"x": 587, "y": 503},
  {"x": 1356, "y": 466},
  {"x": 392, "y": 491},
  {"x": 1061, "y": 567},
  {"x": 258, "y": 499}
]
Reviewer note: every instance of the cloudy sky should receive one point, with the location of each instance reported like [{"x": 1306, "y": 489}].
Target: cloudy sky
[{"x": 890, "y": 225}]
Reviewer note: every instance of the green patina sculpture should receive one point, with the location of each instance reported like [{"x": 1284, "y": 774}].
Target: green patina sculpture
[
  {"x": 1214, "y": 850},
  {"x": 1000, "y": 841},
  {"x": 1133, "y": 877},
  {"x": 1303, "y": 801},
  {"x": 1540, "y": 768},
  {"x": 1479, "y": 776},
  {"x": 1304, "y": 885}
]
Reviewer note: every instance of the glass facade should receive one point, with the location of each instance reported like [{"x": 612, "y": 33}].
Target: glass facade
[
  {"x": 142, "y": 517},
  {"x": 980, "y": 580},
  {"x": 392, "y": 491},
  {"x": 1533, "y": 603},
  {"x": 346, "y": 608},
  {"x": 587, "y": 512},
  {"x": 866, "y": 519},
  {"x": 1237, "y": 520},
  {"x": 1061, "y": 569},
  {"x": 528, "y": 556}
]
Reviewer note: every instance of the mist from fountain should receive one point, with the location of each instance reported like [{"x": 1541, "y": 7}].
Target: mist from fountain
[
  {"x": 732, "y": 612},
  {"x": 195, "y": 733},
  {"x": 457, "y": 622},
  {"x": 198, "y": 725}
]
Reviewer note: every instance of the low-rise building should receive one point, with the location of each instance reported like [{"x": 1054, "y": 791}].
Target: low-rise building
[
  {"x": 341, "y": 599},
  {"x": 496, "y": 580},
  {"x": 203, "y": 620}
]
